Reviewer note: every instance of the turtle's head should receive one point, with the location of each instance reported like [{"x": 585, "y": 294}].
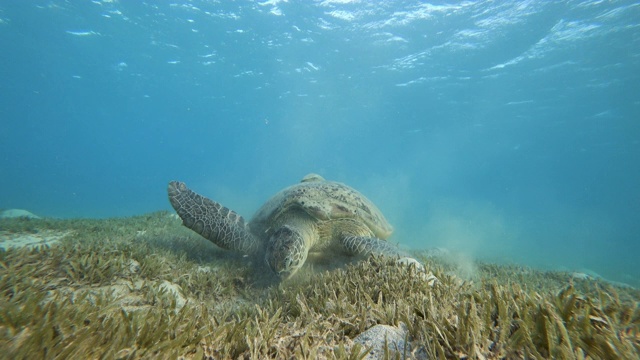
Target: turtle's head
[{"x": 286, "y": 252}]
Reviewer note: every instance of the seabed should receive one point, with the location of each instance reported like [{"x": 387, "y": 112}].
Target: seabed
[{"x": 147, "y": 288}]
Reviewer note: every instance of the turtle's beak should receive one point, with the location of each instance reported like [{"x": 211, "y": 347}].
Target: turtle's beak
[
  {"x": 284, "y": 275},
  {"x": 289, "y": 269},
  {"x": 281, "y": 267}
]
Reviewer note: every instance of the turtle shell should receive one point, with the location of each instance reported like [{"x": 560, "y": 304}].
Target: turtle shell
[{"x": 325, "y": 201}]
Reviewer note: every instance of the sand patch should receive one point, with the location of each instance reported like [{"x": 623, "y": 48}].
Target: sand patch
[{"x": 10, "y": 240}]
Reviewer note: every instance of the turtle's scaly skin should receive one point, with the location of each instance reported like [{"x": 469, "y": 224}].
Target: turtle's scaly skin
[
  {"x": 211, "y": 220},
  {"x": 313, "y": 215}
]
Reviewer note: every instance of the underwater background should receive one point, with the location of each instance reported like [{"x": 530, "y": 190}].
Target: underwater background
[{"x": 502, "y": 130}]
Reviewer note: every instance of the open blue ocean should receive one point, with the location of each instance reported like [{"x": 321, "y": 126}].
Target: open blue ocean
[{"x": 502, "y": 130}]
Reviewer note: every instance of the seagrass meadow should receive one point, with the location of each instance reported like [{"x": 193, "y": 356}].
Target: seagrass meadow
[{"x": 147, "y": 288}]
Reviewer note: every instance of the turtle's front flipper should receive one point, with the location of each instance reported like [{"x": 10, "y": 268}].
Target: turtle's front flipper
[
  {"x": 210, "y": 219},
  {"x": 364, "y": 245}
]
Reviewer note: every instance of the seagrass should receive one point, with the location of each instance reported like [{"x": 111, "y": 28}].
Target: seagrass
[{"x": 83, "y": 298}]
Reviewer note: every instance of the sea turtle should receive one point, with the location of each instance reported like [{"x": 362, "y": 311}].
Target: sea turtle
[{"x": 314, "y": 215}]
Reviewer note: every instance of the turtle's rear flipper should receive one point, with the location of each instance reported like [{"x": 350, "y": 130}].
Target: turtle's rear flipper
[{"x": 210, "y": 219}]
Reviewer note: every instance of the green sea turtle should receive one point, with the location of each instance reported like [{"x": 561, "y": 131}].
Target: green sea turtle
[{"x": 314, "y": 215}]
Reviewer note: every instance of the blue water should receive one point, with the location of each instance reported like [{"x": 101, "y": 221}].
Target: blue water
[{"x": 506, "y": 130}]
